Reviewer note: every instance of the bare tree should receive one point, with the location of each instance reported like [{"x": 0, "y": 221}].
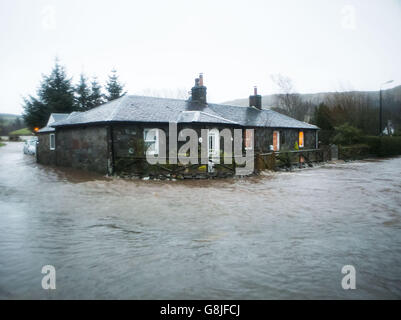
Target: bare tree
[
  {"x": 355, "y": 108},
  {"x": 288, "y": 101}
]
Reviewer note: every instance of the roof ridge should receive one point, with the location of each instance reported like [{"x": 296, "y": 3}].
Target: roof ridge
[
  {"x": 218, "y": 117},
  {"x": 151, "y": 97},
  {"x": 117, "y": 107}
]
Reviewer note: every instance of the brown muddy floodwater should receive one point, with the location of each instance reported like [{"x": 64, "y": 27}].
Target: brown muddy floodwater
[{"x": 286, "y": 235}]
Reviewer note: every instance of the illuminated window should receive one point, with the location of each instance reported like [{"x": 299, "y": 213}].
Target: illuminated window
[
  {"x": 276, "y": 140},
  {"x": 301, "y": 139},
  {"x": 248, "y": 139},
  {"x": 151, "y": 139},
  {"x": 52, "y": 141}
]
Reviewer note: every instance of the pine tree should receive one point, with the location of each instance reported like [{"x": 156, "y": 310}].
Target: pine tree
[
  {"x": 114, "y": 87},
  {"x": 56, "y": 91},
  {"x": 36, "y": 114},
  {"x": 96, "y": 97},
  {"x": 322, "y": 117},
  {"x": 55, "y": 94},
  {"x": 83, "y": 94}
]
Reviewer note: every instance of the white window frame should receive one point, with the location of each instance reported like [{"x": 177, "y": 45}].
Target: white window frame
[
  {"x": 156, "y": 141},
  {"x": 215, "y": 152},
  {"x": 52, "y": 147}
]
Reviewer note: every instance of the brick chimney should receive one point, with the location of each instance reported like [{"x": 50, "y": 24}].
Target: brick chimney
[
  {"x": 256, "y": 99},
  {"x": 199, "y": 91}
]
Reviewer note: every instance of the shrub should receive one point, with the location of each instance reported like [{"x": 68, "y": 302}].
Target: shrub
[
  {"x": 383, "y": 146},
  {"x": 347, "y": 135},
  {"x": 357, "y": 151},
  {"x": 285, "y": 159},
  {"x": 390, "y": 146}
]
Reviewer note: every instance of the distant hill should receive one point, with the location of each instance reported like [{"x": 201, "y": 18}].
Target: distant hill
[
  {"x": 8, "y": 117},
  {"x": 10, "y": 122},
  {"x": 269, "y": 101},
  {"x": 20, "y": 132}
]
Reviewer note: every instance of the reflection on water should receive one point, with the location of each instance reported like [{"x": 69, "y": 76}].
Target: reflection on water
[{"x": 286, "y": 235}]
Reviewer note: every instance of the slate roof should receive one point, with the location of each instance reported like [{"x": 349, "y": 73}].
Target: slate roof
[
  {"x": 54, "y": 117},
  {"x": 150, "y": 109},
  {"x": 59, "y": 116}
]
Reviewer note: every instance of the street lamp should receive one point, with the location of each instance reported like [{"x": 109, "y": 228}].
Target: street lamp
[{"x": 381, "y": 107}]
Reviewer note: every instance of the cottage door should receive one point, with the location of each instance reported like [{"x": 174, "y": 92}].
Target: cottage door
[
  {"x": 213, "y": 147},
  {"x": 276, "y": 140}
]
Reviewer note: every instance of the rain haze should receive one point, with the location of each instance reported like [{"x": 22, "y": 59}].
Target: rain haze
[
  {"x": 161, "y": 45},
  {"x": 200, "y": 150}
]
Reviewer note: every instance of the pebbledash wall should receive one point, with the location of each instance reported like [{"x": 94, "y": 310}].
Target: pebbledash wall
[{"x": 104, "y": 148}]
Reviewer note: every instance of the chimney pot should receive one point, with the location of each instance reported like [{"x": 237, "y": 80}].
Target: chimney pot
[
  {"x": 199, "y": 91},
  {"x": 256, "y": 99}
]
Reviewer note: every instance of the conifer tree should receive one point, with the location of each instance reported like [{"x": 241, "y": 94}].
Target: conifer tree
[
  {"x": 83, "y": 94},
  {"x": 113, "y": 87},
  {"x": 96, "y": 97},
  {"x": 56, "y": 91},
  {"x": 55, "y": 94}
]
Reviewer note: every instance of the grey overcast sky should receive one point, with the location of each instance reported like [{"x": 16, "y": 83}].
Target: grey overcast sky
[{"x": 323, "y": 45}]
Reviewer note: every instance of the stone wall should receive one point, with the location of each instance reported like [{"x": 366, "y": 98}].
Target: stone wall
[
  {"x": 127, "y": 138},
  {"x": 128, "y": 146},
  {"x": 115, "y": 148},
  {"x": 288, "y": 137},
  {"x": 128, "y": 141},
  {"x": 43, "y": 153},
  {"x": 83, "y": 147}
]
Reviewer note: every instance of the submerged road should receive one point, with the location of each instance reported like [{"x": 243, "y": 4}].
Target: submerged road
[{"x": 284, "y": 235}]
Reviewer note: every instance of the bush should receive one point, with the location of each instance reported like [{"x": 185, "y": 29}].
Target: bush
[
  {"x": 347, "y": 135},
  {"x": 354, "y": 152},
  {"x": 390, "y": 146},
  {"x": 383, "y": 146},
  {"x": 285, "y": 159}
]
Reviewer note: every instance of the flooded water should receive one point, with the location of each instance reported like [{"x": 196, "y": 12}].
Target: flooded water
[{"x": 285, "y": 235}]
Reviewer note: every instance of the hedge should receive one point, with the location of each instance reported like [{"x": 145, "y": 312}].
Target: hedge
[
  {"x": 354, "y": 152},
  {"x": 383, "y": 146}
]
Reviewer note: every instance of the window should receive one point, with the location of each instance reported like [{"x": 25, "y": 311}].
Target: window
[
  {"x": 301, "y": 139},
  {"x": 213, "y": 143},
  {"x": 151, "y": 139},
  {"x": 52, "y": 141},
  {"x": 248, "y": 140},
  {"x": 276, "y": 140}
]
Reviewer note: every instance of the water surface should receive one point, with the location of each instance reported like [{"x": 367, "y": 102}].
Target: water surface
[{"x": 284, "y": 235}]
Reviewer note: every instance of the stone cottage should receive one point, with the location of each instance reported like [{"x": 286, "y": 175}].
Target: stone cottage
[{"x": 113, "y": 137}]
